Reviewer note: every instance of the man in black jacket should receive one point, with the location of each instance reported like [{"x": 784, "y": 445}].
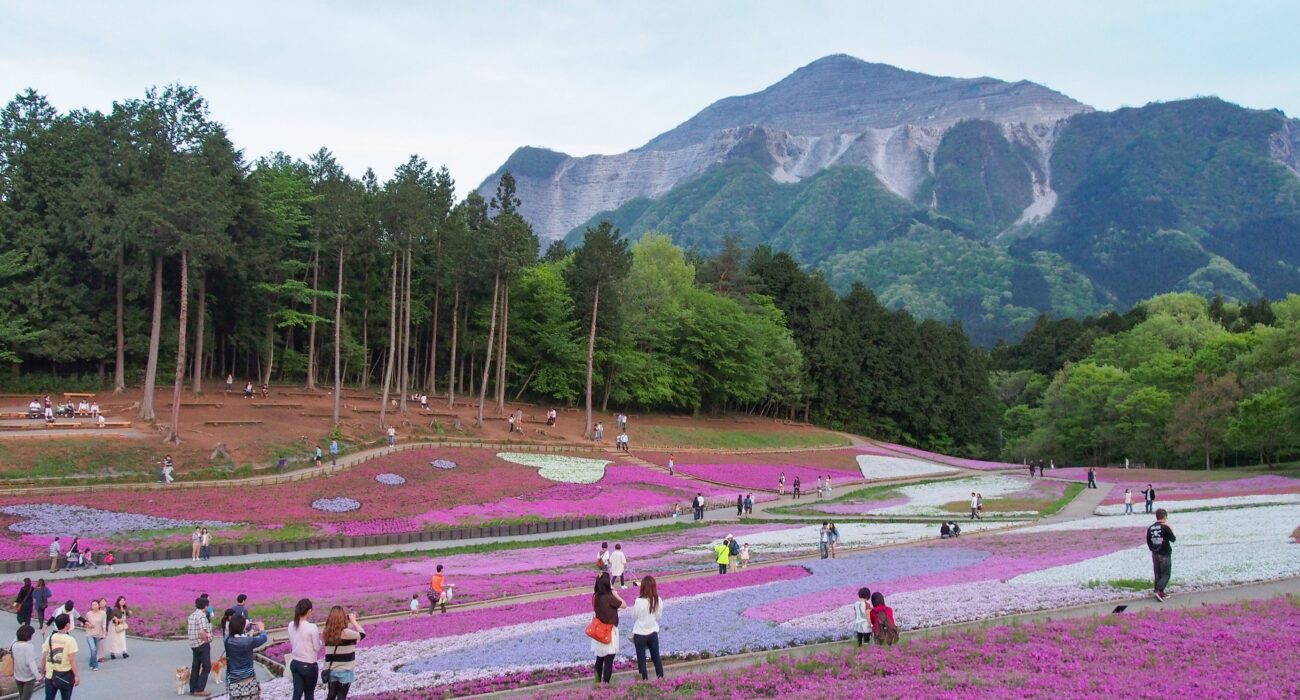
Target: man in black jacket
[{"x": 1159, "y": 538}]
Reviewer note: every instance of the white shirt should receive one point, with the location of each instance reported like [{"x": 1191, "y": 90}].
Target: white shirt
[
  {"x": 974, "y": 501},
  {"x": 305, "y": 641},
  {"x": 617, "y": 562},
  {"x": 1128, "y": 498},
  {"x": 646, "y": 622},
  {"x": 861, "y": 621}
]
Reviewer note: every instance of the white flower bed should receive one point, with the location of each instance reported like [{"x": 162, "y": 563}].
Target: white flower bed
[
  {"x": 878, "y": 467},
  {"x": 336, "y": 505},
  {"x": 927, "y": 500},
  {"x": 1214, "y": 548},
  {"x": 442, "y": 464},
  {"x": 965, "y": 602},
  {"x": 562, "y": 468},
  {"x": 388, "y": 479},
  {"x": 806, "y": 538},
  {"x": 1139, "y": 508}
]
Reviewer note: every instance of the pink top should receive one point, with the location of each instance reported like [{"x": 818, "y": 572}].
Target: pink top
[{"x": 305, "y": 640}]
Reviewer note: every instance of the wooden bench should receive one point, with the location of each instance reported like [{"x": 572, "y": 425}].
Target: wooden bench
[
  {"x": 276, "y": 405},
  {"x": 77, "y": 395}
]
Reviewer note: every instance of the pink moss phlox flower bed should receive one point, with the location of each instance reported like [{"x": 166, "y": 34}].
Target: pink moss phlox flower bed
[
  {"x": 840, "y": 463},
  {"x": 1247, "y": 651},
  {"x": 765, "y": 476},
  {"x": 1177, "y": 490},
  {"x": 859, "y": 507},
  {"x": 468, "y": 621},
  {"x": 887, "y": 448}
]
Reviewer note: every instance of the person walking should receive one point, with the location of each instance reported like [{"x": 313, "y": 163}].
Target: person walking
[
  {"x": 437, "y": 590},
  {"x": 392, "y": 436},
  {"x": 40, "y": 600},
  {"x": 59, "y": 660},
  {"x": 862, "y": 616},
  {"x": 96, "y": 619},
  {"x": 617, "y": 565},
  {"x": 672, "y": 465},
  {"x": 828, "y": 485},
  {"x": 198, "y": 632},
  {"x": 780, "y": 485},
  {"x": 834, "y": 538},
  {"x": 1092, "y": 477},
  {"x": 974, "y": 506},
  {"x": 796, "y": 486},
  {"x": 647, "y": 610},
  {"x": 23, "y": 602},
  {"x": 820, "y": 487},
  {"x": 699, "y": 506},
  {"x": 749, "y": 504},
  {"x": 824, "y": 540},
  {"x": 1149, "y": 494},
  {"x": 1160, "y": 537},
  {"x": 230, "y": 383},
  {"x": 605, "y": 604},
  {"x": 242, "y": 638},
  {"x": 168, "y": 467},
  {"x": 602, "y": 559},
  {"x": 305, "y": 646},
  {"x": 56, "y": 552},
  {"x": 27, "y": 666},
  {"x": 722, "y": 554},
  {"x": 319, "y": 455},
  {"x": 740, "y": 505},
  {"x": 118, "y": 623},
  {"x": 205, "y": 545},
  {"x": 334, "y": 453},
  {"x": 196, "y": 542},
  {"x": 1128, "y": 501},
  {"x": 341, "y": 636}
]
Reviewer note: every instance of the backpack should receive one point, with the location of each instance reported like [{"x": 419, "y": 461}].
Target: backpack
[
  {"x": 735, "y": 548},
  {"x": 886, "y": 631}
]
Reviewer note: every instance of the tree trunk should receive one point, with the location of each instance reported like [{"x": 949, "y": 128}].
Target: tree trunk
[
  {"x": 173, "y": 433},
  {"x": 609, "y": 385},
  {"x": 532, "y": 373},
  {"x": 432, "y": 384},
  {"x": 451, "y": 369},
  {"x": 338, "y": 333},
  {"x": 119, "y": 368},
  {"x": 270, "y": 351},
  {"x": 392, "y": 345},
  {"x": 365, "y": 345},
  {"x": 591, "y": 356},
  {"x": 487, "y": 360},
  {"x": 311, "y": 327},
  {"x": 404, "y": 382},
  {"x": 501, "y": 353},
  {"x": 199, "y": 330},
  {"x": 155, "y": 331}
]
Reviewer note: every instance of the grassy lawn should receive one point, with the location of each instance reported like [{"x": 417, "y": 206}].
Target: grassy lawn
[
  {"x": 1123, "y": 584},
  {"x": 1043, "y": 506},
  {"x": 37, "y": 459},
  {"x": 679, "y": 438}
]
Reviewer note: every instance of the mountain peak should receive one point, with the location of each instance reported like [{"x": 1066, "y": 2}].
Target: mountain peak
[{"x": 842, "y": 94}]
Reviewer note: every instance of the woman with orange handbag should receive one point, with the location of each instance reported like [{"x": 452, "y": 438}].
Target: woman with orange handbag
[{"x": 603, "y": 630}]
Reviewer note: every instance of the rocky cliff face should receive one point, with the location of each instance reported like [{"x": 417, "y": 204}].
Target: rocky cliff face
[{"x": 835, "y": 111}]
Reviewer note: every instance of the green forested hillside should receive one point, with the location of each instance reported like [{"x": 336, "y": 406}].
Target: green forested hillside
[
  {"x": 1179, "y": 196},
  {"x": 1175, "y": 382}
]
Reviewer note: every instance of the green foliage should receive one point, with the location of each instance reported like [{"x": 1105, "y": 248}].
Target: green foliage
[{"x": 979, "y": 176}]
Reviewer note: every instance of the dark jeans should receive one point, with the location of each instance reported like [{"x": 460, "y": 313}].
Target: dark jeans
[
  {"x": 200, "y": 667},
  {"x": 304, "y": 679},
  {"x": 338, "y": 691},
  {"x": 61, "y": 684},
  {"x": 650, "y": 642},
  {"x": 604, "y": 668},
  {"x": 863, "y": 638},
  {"x": 722, "y": 568},
  {"x": 205, "y": 552},
  {"x": 825, "y": 549},
  {"x": 1163, "y": 564},
  {"x": 1149, "y": 504}
]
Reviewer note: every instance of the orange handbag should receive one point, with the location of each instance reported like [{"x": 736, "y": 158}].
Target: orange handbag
[{"x": 602, "y": 632}]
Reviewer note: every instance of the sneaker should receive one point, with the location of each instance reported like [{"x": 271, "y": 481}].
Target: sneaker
[
  {"x": 1160, "y": 597},
  {"x": 126, "y": 655},
  {"x": 201, "y": 694}
]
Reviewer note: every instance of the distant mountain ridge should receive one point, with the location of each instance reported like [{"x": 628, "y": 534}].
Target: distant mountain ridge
[
  {"x": 975, "y": 200},
  {"x": 838, "y": 110}
]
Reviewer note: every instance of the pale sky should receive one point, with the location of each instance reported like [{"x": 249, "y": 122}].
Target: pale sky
[{"x": 464, "y": 84}]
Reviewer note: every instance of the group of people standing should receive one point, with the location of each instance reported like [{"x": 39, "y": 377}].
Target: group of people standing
[
  {"x": 200, "y": 544},
  {"x": 56, "y": 661},
  {"x": 823, "y": 486},
  {"x": 647, "y": 610},
  {"x": 77, "y": 556}
]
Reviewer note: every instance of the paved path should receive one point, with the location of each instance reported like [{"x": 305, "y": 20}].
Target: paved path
[{"x": 148, "y": 675}]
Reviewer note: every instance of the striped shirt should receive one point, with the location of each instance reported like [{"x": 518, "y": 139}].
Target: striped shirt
[{"x": 342, "y": 656}]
